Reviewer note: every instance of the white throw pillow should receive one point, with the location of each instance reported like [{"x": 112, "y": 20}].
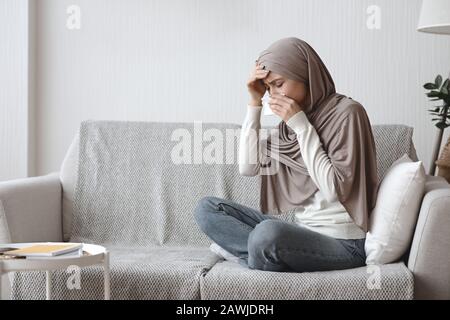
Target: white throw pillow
[{"x": 393, "y": 220}]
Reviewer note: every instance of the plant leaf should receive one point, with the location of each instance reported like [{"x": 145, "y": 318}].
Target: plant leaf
[
  {"x": 444, "y": 88},
  {"x": 434, "y": 94},
  {"x": 438, "y": 81},
  {"x": 430, "y": 86}
]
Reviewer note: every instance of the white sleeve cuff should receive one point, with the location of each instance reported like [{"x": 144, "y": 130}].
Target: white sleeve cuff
[
  {"x": 254, "y": 112},
  {"x": 298, "y": 122}
]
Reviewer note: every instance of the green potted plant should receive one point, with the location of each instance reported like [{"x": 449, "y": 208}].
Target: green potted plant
[{"x": 439, "y": 90}]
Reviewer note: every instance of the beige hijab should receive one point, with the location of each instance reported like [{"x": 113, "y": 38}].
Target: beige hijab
[{"x": 344, "y": 130}]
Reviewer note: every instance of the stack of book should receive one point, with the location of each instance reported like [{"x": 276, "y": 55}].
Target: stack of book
[{"x": 43, "y": 250}]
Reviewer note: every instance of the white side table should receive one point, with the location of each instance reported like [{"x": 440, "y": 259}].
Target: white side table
[{"x": 92, "y": 255}]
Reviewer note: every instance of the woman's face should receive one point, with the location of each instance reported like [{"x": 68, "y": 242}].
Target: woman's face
[{"x": 298, "y": 91}]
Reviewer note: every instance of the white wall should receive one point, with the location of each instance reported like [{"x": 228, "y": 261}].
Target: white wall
[
  {"x": 16, "y": 92},
  {"x": 186, "y": 60}
]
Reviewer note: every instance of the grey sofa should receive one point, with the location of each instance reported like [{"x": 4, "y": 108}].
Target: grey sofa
[{"x": 118, "y": 187}]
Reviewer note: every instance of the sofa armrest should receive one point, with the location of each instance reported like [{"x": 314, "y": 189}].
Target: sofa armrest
[
  {"x": 429, "y": 258},
  {"x": 30, "y": 209}
]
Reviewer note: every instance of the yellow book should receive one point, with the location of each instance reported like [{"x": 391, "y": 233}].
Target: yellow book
[{"x": 44, "y": 250}]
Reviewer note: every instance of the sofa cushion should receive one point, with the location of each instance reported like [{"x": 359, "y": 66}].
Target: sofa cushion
[
  {"x": 394, "y": 217},
  {"x": 229, "y": 280},
  {"x": 136, "y": 273}
]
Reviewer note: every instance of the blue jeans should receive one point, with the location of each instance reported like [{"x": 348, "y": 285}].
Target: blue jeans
[{"x": 267, "y": 243}]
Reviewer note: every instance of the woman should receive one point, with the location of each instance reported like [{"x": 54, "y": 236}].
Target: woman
[{"x": 325, "y": 171}]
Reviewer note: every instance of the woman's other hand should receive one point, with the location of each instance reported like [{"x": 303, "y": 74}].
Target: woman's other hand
[{"x": 255, "y": 85}]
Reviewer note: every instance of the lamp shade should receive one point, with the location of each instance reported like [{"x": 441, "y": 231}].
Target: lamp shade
[{"x": 435, "y": 17}]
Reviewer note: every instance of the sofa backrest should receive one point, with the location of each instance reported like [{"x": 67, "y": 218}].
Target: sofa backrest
[
  {"x": 392, "y": 142},
  {"x": 130, "y": 188},
  {"x": 154, "y": 198}
]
